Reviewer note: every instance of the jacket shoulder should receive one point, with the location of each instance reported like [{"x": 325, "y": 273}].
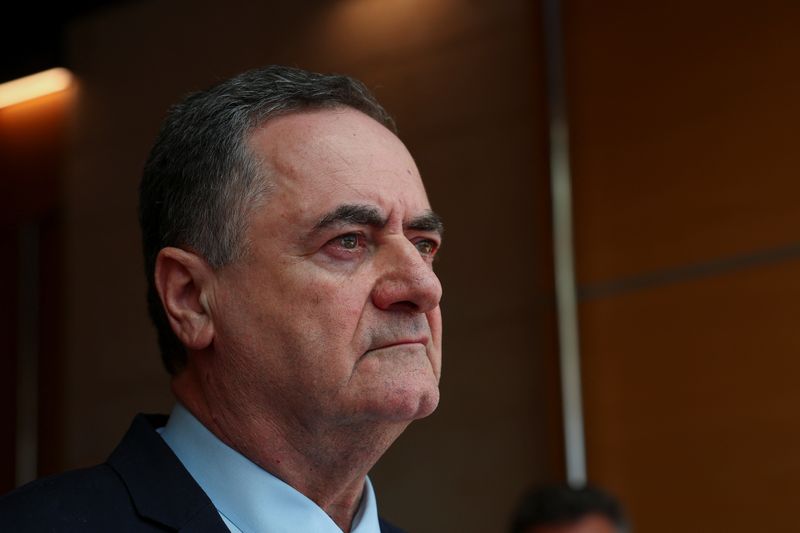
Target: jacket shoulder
[{"x": 90, "y": 499}]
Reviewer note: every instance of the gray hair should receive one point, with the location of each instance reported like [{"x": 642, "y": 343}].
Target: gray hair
[{"x": 201, "y": 181}]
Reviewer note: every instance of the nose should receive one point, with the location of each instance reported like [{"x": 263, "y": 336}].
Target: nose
[{"x": 406, "y": 281}]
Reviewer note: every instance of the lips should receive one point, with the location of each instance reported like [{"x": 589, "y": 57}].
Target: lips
[{"x": 403, "y": 342}]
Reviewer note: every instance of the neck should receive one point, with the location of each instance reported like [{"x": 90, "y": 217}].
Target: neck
[{"x": 328, "y": 463}]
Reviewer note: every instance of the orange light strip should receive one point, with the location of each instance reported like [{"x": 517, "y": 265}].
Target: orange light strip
[{"x": 34, "y": 86}]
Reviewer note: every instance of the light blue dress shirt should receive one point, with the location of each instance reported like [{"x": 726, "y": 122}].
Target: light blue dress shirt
[{"x": 248, "y": 498}]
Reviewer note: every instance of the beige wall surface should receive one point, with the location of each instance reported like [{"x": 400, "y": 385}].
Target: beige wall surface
[{"x": 464, "y": 81}]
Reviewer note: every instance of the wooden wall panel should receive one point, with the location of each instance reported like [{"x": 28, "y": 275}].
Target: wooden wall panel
[
  {"x": 684, "y": 126},
  {"x": 691, "y": 400},
  {"x": 684, "y": 130}
]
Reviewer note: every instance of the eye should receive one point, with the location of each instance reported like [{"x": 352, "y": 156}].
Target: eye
[
  {"x": 348, "y": 242},
  {"x": 426, "y": 246}
]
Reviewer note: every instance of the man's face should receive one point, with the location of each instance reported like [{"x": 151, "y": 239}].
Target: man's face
[{"x": 333, "y": 313}]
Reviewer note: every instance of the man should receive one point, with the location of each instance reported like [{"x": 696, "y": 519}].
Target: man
[
  {"x": 288, "y": 244},
  {"x": 566, "y": 509}
]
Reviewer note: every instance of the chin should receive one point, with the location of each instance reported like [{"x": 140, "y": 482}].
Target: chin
[{"x": 406, "y": 406}]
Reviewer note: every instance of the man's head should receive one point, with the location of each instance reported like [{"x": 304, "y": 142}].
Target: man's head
[
  {"x": 564, "y": 509},
  {"x": 201, "y": 179},
  {"x": 289, "y": 245}
]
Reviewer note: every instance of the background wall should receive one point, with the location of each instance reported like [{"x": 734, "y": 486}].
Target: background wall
[{"x": 685, "y": 125}]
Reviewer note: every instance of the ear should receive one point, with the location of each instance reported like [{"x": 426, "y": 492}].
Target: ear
[{"x": 183, "y": 281}]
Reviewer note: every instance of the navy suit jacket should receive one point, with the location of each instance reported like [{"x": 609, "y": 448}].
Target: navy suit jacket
[{"x": 142, "y": 487}]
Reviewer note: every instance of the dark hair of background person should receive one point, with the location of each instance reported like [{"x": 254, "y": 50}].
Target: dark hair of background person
[
  {"x": 200, "y": 181},
  {"x": 562, "y": 504}
]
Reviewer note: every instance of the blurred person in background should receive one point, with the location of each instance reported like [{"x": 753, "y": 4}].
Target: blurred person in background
[
  {"x": 564, "y": 509},
  {"x": 289, "y": 246}
]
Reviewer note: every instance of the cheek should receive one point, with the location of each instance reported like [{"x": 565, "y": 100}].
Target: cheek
[
  {"x": 328, "y": 310},
  {"x": 435, "y": 323}
]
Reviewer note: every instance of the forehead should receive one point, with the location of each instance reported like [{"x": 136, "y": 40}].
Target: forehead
[{"x": 319, "y": 159}]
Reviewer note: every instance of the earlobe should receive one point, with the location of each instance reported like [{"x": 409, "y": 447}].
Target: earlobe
[{"x": 183, "y": 282}]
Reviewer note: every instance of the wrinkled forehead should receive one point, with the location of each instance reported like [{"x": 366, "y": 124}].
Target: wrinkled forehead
[{"x": 319, "y": 159}]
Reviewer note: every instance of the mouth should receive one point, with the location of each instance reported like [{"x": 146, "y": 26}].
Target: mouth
[{"x": 403, "y": 342}]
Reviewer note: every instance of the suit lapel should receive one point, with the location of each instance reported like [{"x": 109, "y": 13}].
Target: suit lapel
[{"x": 159, "y": 486}]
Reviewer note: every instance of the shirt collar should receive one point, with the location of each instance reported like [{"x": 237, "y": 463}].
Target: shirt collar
[{"x": 247, "y": 496}]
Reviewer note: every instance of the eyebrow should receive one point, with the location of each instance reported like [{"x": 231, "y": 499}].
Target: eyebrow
[
  {"x": 367, "y": 215},
  {"x": 429, "y": 221},
  {"x": 361, "y": 215}
]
